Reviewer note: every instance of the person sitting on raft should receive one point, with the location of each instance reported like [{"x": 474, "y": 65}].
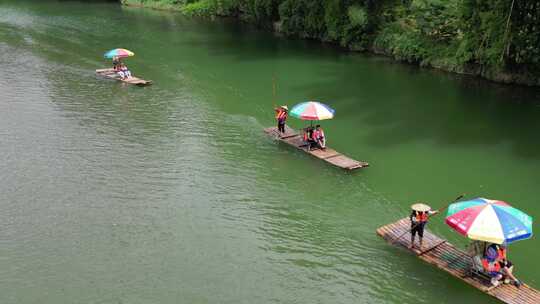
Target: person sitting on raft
[
  {"x": 497, "y": 254},
  {"x": 308, "y": 137},
  {"x": 419, "y": 218},
  {"x": 120, "y": 72},
  {"x": 318, "y": 137},
  {"x": 491, "y": 266},
  {"x": 124, "y": 72}
]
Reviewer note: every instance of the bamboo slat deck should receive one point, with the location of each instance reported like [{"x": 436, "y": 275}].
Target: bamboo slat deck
[
  {"x": 457, "y": 262},
  {"x": 337, "y": 159},
  {"x": 110, "y": 73}
]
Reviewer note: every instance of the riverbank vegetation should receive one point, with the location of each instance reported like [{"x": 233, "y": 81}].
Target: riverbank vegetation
[{"x": 496, "y": 39}]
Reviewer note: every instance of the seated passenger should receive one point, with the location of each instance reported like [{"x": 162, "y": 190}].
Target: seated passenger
[
  {"x": 308, "y": 137},
  {"x": 124, "y": 72},
  {"x": 119, "y": 71},
  {"x": 121, "y": 74},
  {"x": 318, "y": 137},
  {"x": 506, "y": 266},
  {"x": 492, "y": 266},
  {"x": 127, "y": 73}
]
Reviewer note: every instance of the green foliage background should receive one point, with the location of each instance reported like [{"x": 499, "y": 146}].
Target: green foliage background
[{"x": 498, "y": 39}]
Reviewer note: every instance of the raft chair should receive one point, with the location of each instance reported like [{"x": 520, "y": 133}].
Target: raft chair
[{"x": 476, "y": 251}]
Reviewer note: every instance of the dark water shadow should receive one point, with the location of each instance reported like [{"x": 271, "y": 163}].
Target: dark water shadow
[
  {"x": 404, "y": 104},
  {"x": 223, "y": 36}
]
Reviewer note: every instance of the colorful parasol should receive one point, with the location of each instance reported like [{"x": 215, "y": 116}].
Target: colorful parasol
[
  {"x": 312, "y": 110},
  {"x": 489, "y": 221},
  {"x": 120, "y": 53}
]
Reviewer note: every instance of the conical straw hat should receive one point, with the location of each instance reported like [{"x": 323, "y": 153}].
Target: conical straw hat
[{"x": 420, "y": 207}]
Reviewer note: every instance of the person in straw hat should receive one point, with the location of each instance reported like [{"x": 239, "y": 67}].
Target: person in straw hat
[
  {"x": 419, "y": 218},
  {"x": 281, "y": 116}
]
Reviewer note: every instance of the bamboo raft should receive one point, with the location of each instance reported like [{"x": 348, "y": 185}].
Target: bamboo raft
[
  {"x": 110, "y": 73},
  {"x": 457, "y": 262},
  {"x": 295, "y": 139}
]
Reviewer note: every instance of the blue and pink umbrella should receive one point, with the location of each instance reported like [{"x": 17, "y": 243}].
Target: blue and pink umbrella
[
  {"x": 312, "y": 110},
  {"x": 489, "y": 221},
  {"x": 119, "y": 53}
]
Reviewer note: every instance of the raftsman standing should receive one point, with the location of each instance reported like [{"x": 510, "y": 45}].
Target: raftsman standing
[
  {"x": 419, "y": 218},
  {"x": 281, "y": 116}
]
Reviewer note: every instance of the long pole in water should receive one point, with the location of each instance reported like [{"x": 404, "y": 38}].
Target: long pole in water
[
  {"x": 274, "y": 90},
  {"x": 438, "y": 211}
]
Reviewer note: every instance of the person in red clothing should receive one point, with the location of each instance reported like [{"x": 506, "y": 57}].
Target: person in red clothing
[
  {"x": 318, "y": 137},
  {"x": 308, "y": 137}
]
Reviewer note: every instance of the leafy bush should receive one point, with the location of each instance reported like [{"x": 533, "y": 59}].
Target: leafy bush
[
  {"x": 260, "y": 12},
  {"x": 357, "y": 16},
  {"x": 303, "y": 18},
  {"x": 199, "y": 8}
]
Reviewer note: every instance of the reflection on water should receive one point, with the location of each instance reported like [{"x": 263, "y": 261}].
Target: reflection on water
[{"x": 118, "y": 194}]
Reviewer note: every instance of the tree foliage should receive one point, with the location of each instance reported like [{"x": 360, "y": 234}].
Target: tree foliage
[{"x": 501, "y": 35}]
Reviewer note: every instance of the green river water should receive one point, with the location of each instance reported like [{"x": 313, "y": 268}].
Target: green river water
[{"x": 173, "y": 194}]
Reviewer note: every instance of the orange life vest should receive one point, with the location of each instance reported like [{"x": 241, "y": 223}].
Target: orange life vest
[
  {"x": 491, "y": 267},
  {"x": 281, "y": 115},
  {"x": 421, "y": 217},
  {"x": 501, "y": 254},
  {"x": 308, "y": 134}
]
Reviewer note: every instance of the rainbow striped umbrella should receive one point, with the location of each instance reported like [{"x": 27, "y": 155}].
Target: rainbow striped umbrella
[
  {"x": 120, "y": 53},
  {"x": 312, "y": 110},
  {"x": 489, "y": 221}
]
